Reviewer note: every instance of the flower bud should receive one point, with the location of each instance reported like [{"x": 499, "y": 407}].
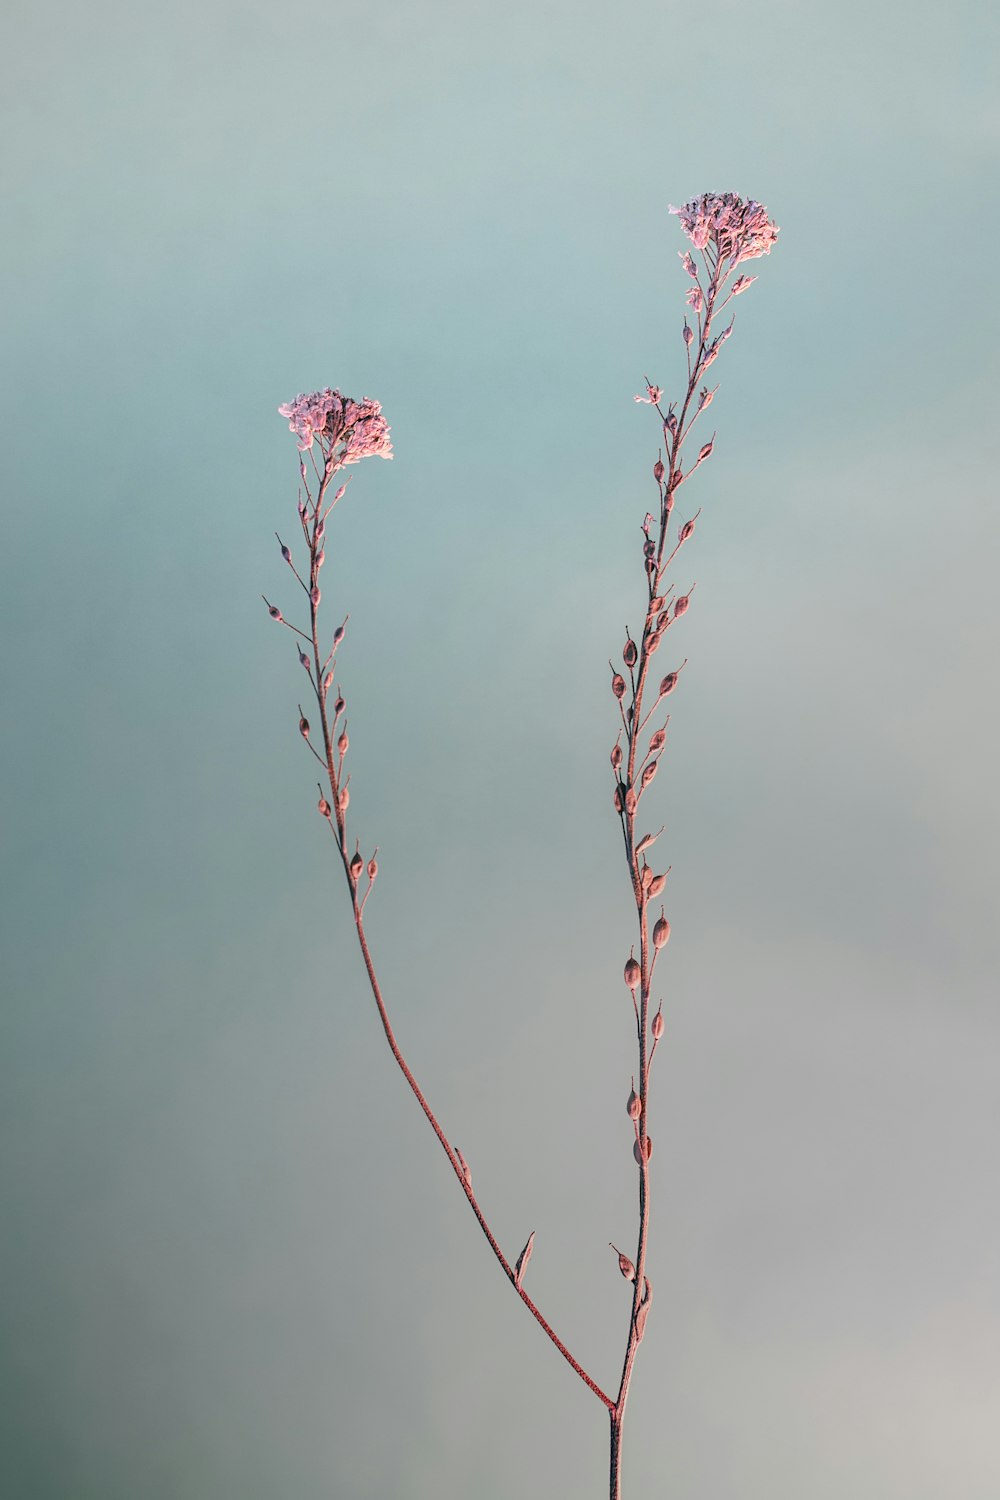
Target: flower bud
[
  {"x": 634, "y": 1105},
  {"x": 617, "y": 681},
  {"x": 657, "y": 1027},
  {"x": 624, "y": 1264},
  {"x": 661, "y": 933},
  {"x": 658, "y": 470},
  {"x": 656, "y": 886},
  {"x": 630, "y": 654},
  {"x": 682, "y": 605},
  {"x": 633, "y": 974}
]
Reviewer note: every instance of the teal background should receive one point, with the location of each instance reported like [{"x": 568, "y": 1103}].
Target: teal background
[{"x": 234, "y": 1264}]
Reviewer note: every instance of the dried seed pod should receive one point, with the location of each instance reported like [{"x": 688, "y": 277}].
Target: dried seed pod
[
  {"x": 656, "y": 886},
  {"x": 521, "y": 1264},
  {"x": 338, "y": 636},
  {"x": 465, "y": 1169},
  {"x": 657, "y": 740},
  {"x": 372, "y": 868},
  {"x": 339, "y": 707},
  {"x": 646, "y": 876},
  {"x": 640, "y": 1321},
  {"x": 649, "y": 1147},
  {"x": 686, "y": 530},
  {"x": 661, "y": 933},
  {"x": 706, "y": 451},
  {"x": 315, "y": 595},
  {"x": 624, "y": 1264},
  {"x": 668, "y": 684},
  {"x": 649, "y": 773},
  {"x": 303, "y": 725},
  {"x": 286, "y": 554},
  {"x": 633, "y": 973},
  {"x": 658, "y": 470},
  {"x": 617, "y": 684},
  {"x": 634, "y": 1105},
  {"x": 655, "y": 605},
  {"x": 663, "y": 620},
  {"x": 637, "y": 1152},
  {"x": 631, "y": 801},
  {"x": 344, "y": 799},
  {"x": 274, "y": 611},
  {"x": 657, "y": 1027},
  {"x": 303, "y": 659},
  {"x": 340, "y": 493},
  {"x": 617, "y": 799},
  {"x": 323, "y": 806},
  {"x": 630, "y": 655},
  {"x": 649, "y": 548},
  {"x": 357, "y": 865},
  {"x": 328, "y": 682},
  {"x": 343, "y": 743},
  {"x": 616, "y": 756},
  {"x": 682, "y": 605},
  {"x": 320, "y": 558}
]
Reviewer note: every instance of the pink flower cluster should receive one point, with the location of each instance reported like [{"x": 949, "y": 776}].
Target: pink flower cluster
[
  {"x": 330, "y": 418},
  {"x": 740, "y": 231}
]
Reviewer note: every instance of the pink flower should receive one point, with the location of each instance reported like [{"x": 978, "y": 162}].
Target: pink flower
[
  {"x": 740, "y": 231},
  {"x": 332, "y": 419},
  {"x": 694, "y": 299}
]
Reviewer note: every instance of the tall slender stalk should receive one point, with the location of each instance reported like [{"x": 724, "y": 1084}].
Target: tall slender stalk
[{"x": 726, "y": 232}]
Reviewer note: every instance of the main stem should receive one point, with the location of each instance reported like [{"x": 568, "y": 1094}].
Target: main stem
[{"x": 634, "y": 724}]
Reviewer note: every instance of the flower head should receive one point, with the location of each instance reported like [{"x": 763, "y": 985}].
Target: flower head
[
  {"x": 332, "y": 420},
  {"x": 739, "y": 231}
]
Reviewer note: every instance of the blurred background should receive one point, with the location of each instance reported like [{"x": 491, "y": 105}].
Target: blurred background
[{"x": 234, "y": 1260}]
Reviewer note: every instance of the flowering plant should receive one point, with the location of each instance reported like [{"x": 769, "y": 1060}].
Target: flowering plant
[{"x": 336, "y": 432}]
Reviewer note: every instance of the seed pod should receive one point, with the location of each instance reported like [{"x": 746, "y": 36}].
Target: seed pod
[
  {"x": 686, "y": 530},
  {"x": 637, "y": 1153},
  {"x": 617, "y": 685},
  {"x": 661, "y": 933},
  {"x": 656, "y": 886},
  {"x": 616, "y": 756},
  {"x": 649, "y": 548},
  {"x": 688, "y": 334},
  {"x": 321, "y": 531},
  {"x": 320, "y": 558},
  {"x": 286, "y": 554},
  {"x": 339, "y": 707},
  {"x": 657, "y": 1027},
  {"x": 640, "y": 1321},
  {"x": 357, "y": 865},
  {"x": 372, "y": 868},
  {"x": 630, "y": 654},
  {"x": 646, "y": 877},
  {"x": 657, "y": 740},
  {"x": 303, "y": 659},
  {"x": 465, "y": 1169},
  {"x": 344, "y": 799},
  {"x": 631, "y": 801},
  {"x": 682, "y": 605},
  {"x": 658, "y": 470},
  {"x": 655, "y": 605},
  {"x": 340, "y": 493},
  {"x": 649, "y": 773},
  {"x": 328, "y": 682},
  {"x": 650, "y": 566},
  {"x": 274, "y": 611},
  {"x": 668, "y": 684},
  {"x": 633, "y": 974},
  {"x": 343, "y": 743},
  {"x": 315, "y": 595},
  {"x": 634, "y": 1105},
  {"x": 521, "y": 1264},
  {"x": 706, "y": 451},
  {"x": 303, "y": 725},
  {"x": 624, "y": 1264},
  {"x": 324, "y": 807},
  {"x": 338, "y": 635},
  {"x": 617, "y": 799}
]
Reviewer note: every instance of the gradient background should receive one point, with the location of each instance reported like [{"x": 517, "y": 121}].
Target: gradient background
[{"x": 234, "y": 1263}]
